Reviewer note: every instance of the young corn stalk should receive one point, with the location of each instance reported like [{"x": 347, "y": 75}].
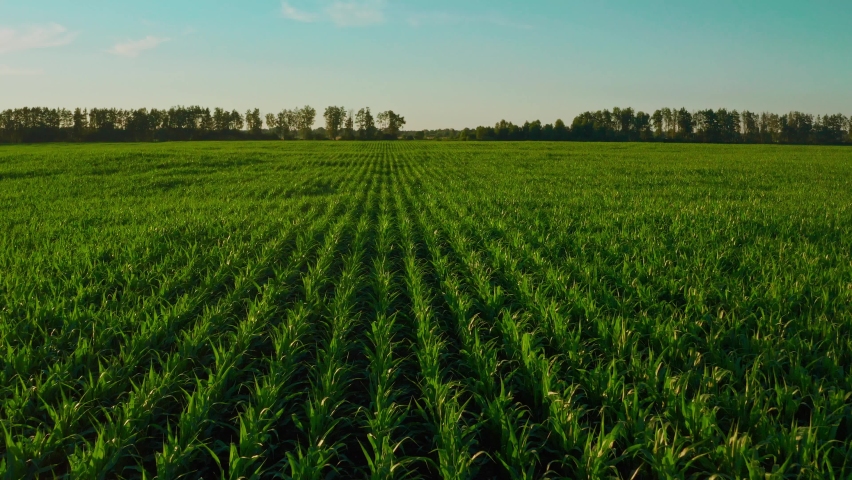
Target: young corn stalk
[
  {"x": 314, "y": 457},
  {"x": 271, "y": 398},
  {"x": 188, "y": 437},
  {"x": 454, "y": 440},
  {"x": 384, "y": 415},
  {"x": 275, "y": 392},
  {"x": 135, "y": 414},
  {"x": 119, "y": 433},
  {"x": 113, "y": 373},
  {"x": 536, "y": 373},
  {"x": 518, "y": 452},
  {"x": 180, "y": 449},
  {"x": 53, "y": 448}
]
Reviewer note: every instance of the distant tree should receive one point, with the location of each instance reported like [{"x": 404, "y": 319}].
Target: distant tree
[
  {"x": 616, "y": 120},
  {"x": 533, "y": 130},
  {"x": 220, "y": 120},
  {"x": 138, "y": 127},
  {"x": 306, "y": 117},
  {"x": 271, "y": 122},
  {"x": 707, "y": 126},
  {"x": 80, "y": 125},
  {"x": 730, "y": 124},
  {"x": 750, "y": 126},
  {"x": 798, "y": 127},
  {"x": 395, "y": 123},
  {"x": 515, "y": 132},
  {"x": 349, "y": 126},
  {"x": 583, "y": 127},
  {"x": 366, "y": 124},
  {"x": 560, "y": 131},
  {"x": 684, "y": 124},
  {"x": 770, "y": 127},
  {"x": 382, "y": 121},
  {"x": 849, "y": 129},
  {"x": 66, "y": 119},
  {"x": 776, "y": 126},
  {"x": 206, "y": 124},
  {"x": 194, "y": 122},
  {"x": 99, "y": 120},
  {"x": 253, "y": 121},
  {"x": 156, "y": 122},
  {"x": 361, "y": 122},
  {"x": 786, "y": 134},
  {"x": 669, "y": 127},
  {"x": 641, "y": 126},
  {"x": 236, "y": 121},
  {"x": 625, "y": 118},
  {"x": 390, "y": 123},
  {"x": 829, "y": 129},
  {"x": 657, "y": 121},
  {"x": 286, "y": 123},
  {"x": 501, "y": 130},
  {"x": 606, "y": 125},
  {"x": 335, "y": 117},
  {"x": 486, "y": 133},
  {"x": 763, "y": 125}
]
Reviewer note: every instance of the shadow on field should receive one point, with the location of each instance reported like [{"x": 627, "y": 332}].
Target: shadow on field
[{"x": 27, "y": 175}]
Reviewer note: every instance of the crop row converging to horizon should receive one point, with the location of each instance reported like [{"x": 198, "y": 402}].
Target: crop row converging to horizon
[
  {"x": 453, "y": 310},
  {"x": 30, "y": 125}
]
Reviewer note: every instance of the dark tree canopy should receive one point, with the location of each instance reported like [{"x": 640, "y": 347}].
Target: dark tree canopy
[{"x": 26, "y": 125}]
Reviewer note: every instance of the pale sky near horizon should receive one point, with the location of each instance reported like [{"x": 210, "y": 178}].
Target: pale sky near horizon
[{"x": 441, "y": 64}]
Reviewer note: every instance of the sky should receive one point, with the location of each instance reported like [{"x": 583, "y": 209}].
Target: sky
[{"x": 441, "y": 63}]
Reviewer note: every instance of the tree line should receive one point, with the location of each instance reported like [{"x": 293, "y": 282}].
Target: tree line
[
  {"x": 28, "y": 125},
  {"x": 667, "y": 124},
  {"x": 31, "y": 125}
]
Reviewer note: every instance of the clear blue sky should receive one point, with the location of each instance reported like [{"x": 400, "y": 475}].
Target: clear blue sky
[{"x": 439, "y": 63}]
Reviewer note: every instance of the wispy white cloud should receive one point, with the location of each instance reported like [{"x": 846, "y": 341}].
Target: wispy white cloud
[
  {"x": 292, "y": 13},
  {"x": 7, "y": 71},
  {"x": 133, "y": 48},
  {"x": 361, "y": 13},
  {"x": 357, "y": 13},
  {"x": 343, "y": 13},
  {"x": 446, "y": 18},
  {"x": 34, "y": 36}
]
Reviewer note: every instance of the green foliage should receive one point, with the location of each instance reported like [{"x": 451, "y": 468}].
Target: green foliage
[{"x": 427, "y": 310}]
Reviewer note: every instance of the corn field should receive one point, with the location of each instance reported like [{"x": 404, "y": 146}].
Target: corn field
[{"x": 425, "y": 310}]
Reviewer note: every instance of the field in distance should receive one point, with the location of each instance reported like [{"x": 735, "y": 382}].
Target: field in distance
[{"x": 425, "y": 310}]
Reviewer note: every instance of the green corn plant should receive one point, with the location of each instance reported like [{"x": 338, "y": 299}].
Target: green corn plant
[
  {"x": 654, "y": 310},
  {"x": 518, "y": 453},
  {"x": 454, "y": 440},
  {"x": 96, "y": 388},
  {"x": 270, "y": 398},
  {"x": 103, "y": 459},
  {"x": 314, "y": 457}
]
